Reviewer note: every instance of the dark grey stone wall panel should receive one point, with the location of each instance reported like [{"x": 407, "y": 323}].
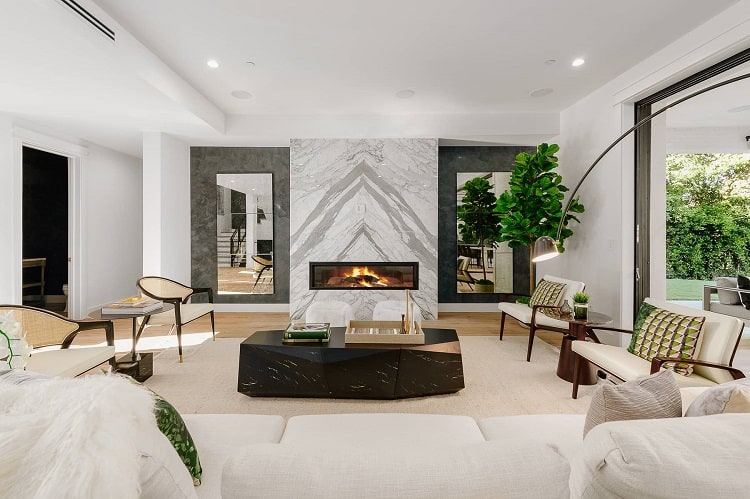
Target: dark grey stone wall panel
[
  {"x": 452, "y": 160},
  {"x": 205, "y": 163}
]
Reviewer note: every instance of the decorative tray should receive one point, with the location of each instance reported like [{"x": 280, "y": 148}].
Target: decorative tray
[{"x": 388, "y": 332}]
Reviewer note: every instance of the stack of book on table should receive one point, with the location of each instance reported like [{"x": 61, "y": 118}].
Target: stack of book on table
[
  {"x": 310, "y": 332},
  {"x": 135, "y": 305}
]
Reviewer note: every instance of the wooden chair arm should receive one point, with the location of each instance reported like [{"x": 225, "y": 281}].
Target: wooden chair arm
[
  {"x": 88, "y": 325},
  {"x": 534, "y": 308},
  {"x": 657, "y": 362},
  {"x": 610, "y": 328},
  {"x": 208, "y": 291}
]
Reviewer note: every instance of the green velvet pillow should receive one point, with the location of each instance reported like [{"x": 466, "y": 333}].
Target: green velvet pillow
[
  {"x": 547, "y": 293},
  {"x": 661, "y": 333}
]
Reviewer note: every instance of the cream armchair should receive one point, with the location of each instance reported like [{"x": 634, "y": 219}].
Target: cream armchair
[
  {"x": 48, "y": 329},
  {"x": 532, "y": 317},
  {"x": 712, "y": 361},
  {"x": 167, "y": 290}
]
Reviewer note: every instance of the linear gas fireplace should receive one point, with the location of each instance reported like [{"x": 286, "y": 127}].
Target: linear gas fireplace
[{"x": 364, "y": 275}]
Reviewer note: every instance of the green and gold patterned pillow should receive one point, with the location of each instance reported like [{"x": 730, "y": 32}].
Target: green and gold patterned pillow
[
  {"x": 660, "y": 333},
  {"x": 547, "y": 293}
]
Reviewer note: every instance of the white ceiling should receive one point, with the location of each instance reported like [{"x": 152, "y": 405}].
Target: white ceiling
[{"x": 320, "y": 69}]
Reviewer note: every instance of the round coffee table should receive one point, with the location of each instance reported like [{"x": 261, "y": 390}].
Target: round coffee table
[{"x": 577, "y": 330}]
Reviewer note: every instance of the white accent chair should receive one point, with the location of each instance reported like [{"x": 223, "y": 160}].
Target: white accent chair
[
  {"x": 338, "y": 313},
  {"x": 45, "y": 329},
  {"x": 532, "y": 318},
  {"x": 169, "y": 291},
  {"x": 392, "y": 310},
  {"x": 712, "y": 361}
]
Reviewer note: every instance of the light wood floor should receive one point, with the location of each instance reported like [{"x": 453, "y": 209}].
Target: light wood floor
[{"x": 242, "y": 324}]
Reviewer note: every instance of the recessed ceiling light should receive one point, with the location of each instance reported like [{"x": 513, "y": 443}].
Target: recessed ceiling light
[
  {"x": 550, "y": 62},
  {"x": 212, "y": 63},
  {"x": 739, "y": 109},
  {"x": 250, "y": 63},
  {"x": 577, "y": 62},
  {"x": 540, "y": 92},
  {"x": 241, "y": 94},
  {"x": 406, "y": 93}
]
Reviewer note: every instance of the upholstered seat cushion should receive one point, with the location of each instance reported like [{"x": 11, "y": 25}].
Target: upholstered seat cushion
[
  {"x": 216, "y": 436},
  {"x": 522, "y": 312},
  {"x": 68, "y": 362},
  {"x": 562, "y": 431},
  {"x": 625, "y": 365},
  {"x": 188, "y": 312}
]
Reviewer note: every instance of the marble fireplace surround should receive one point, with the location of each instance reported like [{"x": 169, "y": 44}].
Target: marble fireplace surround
[{"x": 369, "y": 200}]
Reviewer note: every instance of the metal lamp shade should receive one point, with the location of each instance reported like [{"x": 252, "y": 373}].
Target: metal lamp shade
[{"x": 544, "y": 248}]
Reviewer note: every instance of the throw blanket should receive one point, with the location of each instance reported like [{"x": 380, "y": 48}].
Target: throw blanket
[{"x": 71, "y": 438}]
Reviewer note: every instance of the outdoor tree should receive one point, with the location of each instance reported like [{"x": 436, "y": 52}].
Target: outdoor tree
[
  {"x": 708, "y": 215},
  {"x": 532, "y": 206}
]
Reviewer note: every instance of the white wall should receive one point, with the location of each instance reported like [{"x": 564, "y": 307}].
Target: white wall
[
  {"x": 112, "y": 226},
  {"x": 10, "y": 202},
  {"x": 601, "y": 250},
  {"x": 166, "y": 207}
]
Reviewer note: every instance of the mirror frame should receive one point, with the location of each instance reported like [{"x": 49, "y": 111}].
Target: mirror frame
[{"x": 205, "y": 164}]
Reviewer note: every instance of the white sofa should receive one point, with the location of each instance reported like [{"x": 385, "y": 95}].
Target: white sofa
[{"x": 412, "y": 455}]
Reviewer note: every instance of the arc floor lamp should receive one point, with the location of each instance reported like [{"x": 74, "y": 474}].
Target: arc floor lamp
[{"x": 545, "y": 247}]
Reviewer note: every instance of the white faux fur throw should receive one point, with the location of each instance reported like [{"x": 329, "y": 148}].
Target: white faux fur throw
[{"x": 72, "y": 438}]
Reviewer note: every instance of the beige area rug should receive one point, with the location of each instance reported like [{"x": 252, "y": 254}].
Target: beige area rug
[{"x": 498, "y": 382}]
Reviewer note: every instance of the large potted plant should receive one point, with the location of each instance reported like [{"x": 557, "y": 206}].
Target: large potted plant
[
  {"x": 532, "y": 206},
  {"x": 479, "y": 223}
]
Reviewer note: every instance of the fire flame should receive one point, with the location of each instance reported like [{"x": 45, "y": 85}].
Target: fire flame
[{"x": 363, "y": 276}]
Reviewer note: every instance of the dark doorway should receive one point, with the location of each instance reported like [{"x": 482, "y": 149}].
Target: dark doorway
[{"x": 45, "y": 228}]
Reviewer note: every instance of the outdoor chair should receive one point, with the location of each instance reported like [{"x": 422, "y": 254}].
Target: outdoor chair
[
  {"x": 180, "y": 295},
  {"x": 45, "y": 329}
]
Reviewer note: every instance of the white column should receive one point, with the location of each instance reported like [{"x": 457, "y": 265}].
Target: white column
[
  {"x": 166, "y": 207},
  {"x": 10, "y": 207}
]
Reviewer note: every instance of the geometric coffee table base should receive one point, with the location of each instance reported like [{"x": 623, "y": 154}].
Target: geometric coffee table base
[{"x": 268, "y": 368}]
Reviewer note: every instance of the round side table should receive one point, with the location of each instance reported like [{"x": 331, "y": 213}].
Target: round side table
[{"x": 577, "y": 330}]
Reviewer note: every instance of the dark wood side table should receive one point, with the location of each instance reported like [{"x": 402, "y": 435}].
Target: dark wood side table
[
  {"x": 130, "y": 364},
  {"x": 578, "y": 329}
]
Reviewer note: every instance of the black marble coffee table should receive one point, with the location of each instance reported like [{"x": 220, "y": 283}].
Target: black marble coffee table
[{"x": 270, "y": 368}]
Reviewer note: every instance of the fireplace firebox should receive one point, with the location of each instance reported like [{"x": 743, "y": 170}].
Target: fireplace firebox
[{"x": 364, "y": 275}]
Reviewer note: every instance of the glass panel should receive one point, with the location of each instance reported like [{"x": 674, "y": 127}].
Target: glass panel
[{"x": 244, "y": 239}]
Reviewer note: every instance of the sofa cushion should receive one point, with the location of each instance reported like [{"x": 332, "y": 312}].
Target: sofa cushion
[
  {"x": 650, "y": 397},
  {"x": 727, "y": 297},
  {"x": 562, "y": 431},
  {"x": 661, "y": 333},
  {"x": 547, "y": 293},
  {"x": 626, "y": 366},
  {"x": 727, "y": 397},
  {"x": 389, "y": 430},
  {"x": 516, "y": 468},
  {"x": 665, "y": 458},
  {"x": 216, "y": 436}
]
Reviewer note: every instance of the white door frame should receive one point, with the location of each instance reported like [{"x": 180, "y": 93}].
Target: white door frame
[{"x": 77, "y": 156}]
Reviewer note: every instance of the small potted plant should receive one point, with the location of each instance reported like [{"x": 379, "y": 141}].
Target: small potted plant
[{"x": 580, "y": 306}]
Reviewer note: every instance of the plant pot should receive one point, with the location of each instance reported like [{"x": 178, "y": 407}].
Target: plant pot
[
  {"x": 484, "y": 288},
  {"x": 581, "y": 311}
]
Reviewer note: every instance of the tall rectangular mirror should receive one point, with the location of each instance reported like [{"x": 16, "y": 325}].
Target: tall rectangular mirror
[
  {"x": 244, "y": 233},
  {"x": 483, "y": 265}
]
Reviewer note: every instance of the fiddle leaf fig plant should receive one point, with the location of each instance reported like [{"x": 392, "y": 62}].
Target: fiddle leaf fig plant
[{"x": 532, "y": 206}]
